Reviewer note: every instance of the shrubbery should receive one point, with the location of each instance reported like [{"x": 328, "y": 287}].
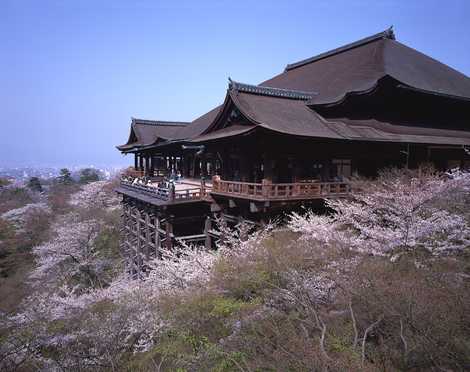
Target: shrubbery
[{"x": 381, "y": 283}]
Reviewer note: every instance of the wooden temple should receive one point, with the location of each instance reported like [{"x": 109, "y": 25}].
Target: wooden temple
[{"x": 292, "y": 140}]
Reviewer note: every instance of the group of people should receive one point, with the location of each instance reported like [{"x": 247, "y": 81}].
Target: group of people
[{"x": 165, "y": 183}]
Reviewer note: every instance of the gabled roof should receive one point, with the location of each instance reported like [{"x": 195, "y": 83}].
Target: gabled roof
[
  {"x": 147, "y": 132},
  {"x": 270, "y": 109},
  {"x": 359, "y": 65},
  {"x": 287, "y": 102}
]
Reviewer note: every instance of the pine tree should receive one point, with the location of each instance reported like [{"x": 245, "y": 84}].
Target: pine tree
[
  {"x": 34, "y": 184},
  {"x": 65, "y": 177}
]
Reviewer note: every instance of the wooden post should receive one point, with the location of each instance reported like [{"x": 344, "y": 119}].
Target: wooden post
[
  {"x": 207, "y": 229},
  {"x": 139, "y": 245},
  {"x": 147, "y": 237},
  {"x": 158, "y": 241},
  {"x": 147, "y": 165},
  {"x": 141, "y": 162},
  {"x": 203, "y": 187},
  {"x": 152, "y": 166},
  {"x": 136, "y": 163},
  {"x": 215, "y": 182},
  {"x": 171, "y": 192},
  {"x": 267, "y": 183},
  {"x": 169, "y": 233}
]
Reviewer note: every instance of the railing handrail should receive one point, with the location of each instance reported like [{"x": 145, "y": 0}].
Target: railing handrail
[
  {"x": 165, "y": 193},
  {"x": 284, "y": 183},
  {"x": 272, "y": 191}
]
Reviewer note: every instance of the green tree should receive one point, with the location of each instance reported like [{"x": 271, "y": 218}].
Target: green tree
[
  {"x": 34, "y": 184},
  {"x": 4, "y": 182},
  {"x": 89, "y": 175},
  {"x": 65, "y": 177}
]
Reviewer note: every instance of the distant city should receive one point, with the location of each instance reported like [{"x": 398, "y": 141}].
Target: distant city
[{"x": 23, "y": 174}]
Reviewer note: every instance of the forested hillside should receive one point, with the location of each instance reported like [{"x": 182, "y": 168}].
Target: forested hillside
[{"x": 380, "y": 283}]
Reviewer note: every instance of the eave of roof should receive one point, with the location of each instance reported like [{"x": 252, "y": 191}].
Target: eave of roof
[
  {"x": 293, "y": 117},
  {"x": 228, "y": 132}
]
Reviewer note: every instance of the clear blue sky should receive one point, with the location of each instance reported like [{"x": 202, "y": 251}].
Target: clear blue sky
[{"x": 72, "y": 73}]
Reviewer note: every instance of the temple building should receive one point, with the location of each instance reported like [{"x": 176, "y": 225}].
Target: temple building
[{"x": 293, "y": 140}]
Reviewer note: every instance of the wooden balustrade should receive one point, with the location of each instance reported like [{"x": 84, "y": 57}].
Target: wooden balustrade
[
  {"x": 281, "y": 191},
  {"x": 166, "y": 194},
  {"x": 247, "y": 190}
]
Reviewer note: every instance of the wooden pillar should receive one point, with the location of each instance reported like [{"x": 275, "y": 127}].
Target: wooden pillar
[
  {"x": 139, "y": 245},
  {"x": 169, "y": 233},
  {"x": 171, "y": 195},
  {"x": 192, "y": 170},
  {"x": 152, "y": 165},
  {"x": 141, "y": 162},
  {"x": 136, "y": 163},
  {"x": 203, "y": 187},
  {"x": 147, "y": 165},
  {"x": 184, "y": 168},
  {"x": 147, "y": 237},
  {"x": 207, "y": 229},
  {"x": 127, "y": 237},
  {"x": 158, "y": 240}
]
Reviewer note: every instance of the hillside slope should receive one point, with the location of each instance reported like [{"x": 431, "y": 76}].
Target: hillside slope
[{"x": 380, "y": 284}]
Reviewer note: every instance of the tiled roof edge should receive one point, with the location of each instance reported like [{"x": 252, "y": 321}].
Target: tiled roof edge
[
  {"x": 270, "y": 91},
  {"x": 160, "y": 122}
]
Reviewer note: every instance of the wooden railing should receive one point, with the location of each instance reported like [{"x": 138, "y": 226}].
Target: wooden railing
[
  {"x": 165, "y": 194},
  {"x": 281, "y": 191}
]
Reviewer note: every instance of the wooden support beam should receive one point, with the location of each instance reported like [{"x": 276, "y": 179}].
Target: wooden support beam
[
  {"x": 158, "y": 241},
  {"x": 147, "y": 237},
  {"x": 207, "y": 229},
  {"x": 169, "y": 235},
  {"x": 139, "y": 246}
]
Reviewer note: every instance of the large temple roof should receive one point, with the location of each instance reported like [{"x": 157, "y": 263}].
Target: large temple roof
[
  {"x": 359, "y": 65},
  {"x": 271, "y": 109},
  {"x": 289, "y": 102}
]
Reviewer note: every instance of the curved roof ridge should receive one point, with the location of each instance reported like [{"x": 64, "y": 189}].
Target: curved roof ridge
[
  {"x": 387, "y": 34},
  {"x": 270, "y": 91},
  {"x": 159, "y": 122}
]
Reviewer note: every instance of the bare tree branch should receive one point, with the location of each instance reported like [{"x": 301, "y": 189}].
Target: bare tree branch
[{"x": 364, "y": 339}]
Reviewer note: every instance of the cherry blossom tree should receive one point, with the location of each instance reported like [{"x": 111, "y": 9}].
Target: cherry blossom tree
[{"x": 397, "y": 211}]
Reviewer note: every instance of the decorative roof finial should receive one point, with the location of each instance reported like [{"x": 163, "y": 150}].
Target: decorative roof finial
[
  {"x": 231, "y": 83},
  {"x": 389, "y": 33}
]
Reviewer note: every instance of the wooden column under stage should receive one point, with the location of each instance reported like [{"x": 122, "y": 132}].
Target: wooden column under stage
[{"x": 147, "y": 165}]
